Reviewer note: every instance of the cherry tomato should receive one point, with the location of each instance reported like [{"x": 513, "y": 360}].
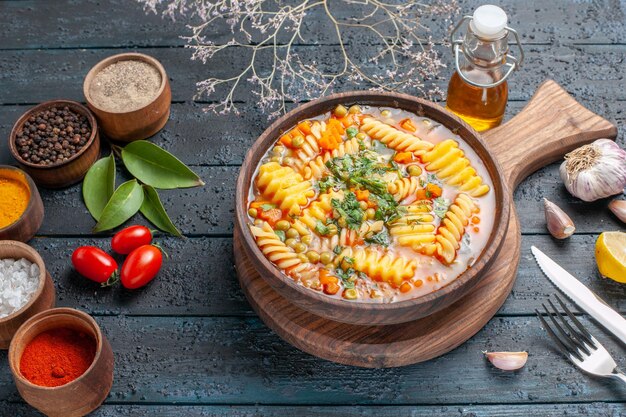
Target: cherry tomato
[
  {"x": 130, "y": 238},
  {"x": 95, "y": 264},
  {"x": 141, "y": 266}
]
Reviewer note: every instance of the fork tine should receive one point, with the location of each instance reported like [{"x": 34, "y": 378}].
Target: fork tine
[
  {"x": 564, "y": 350},
  {"x": 585, "y": 334},
  {"x": 575, "y": 337},
  {"x": 571, "y": 348}
]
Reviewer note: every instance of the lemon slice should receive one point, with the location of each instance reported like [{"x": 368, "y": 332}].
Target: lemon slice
[{"x": 611, "y": 255}]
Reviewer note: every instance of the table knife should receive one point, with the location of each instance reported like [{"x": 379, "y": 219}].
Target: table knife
[{"x": 581, "y": 295}]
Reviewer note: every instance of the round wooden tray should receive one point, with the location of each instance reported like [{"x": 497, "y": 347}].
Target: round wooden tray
[{"x": 551, "y": 124}]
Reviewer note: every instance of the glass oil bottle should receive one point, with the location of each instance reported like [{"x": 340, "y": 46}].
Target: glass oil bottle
[{"x": 478, "y": 89}]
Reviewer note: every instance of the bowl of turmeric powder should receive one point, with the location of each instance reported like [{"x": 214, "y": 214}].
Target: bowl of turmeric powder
[{"x": 21, "y": 208}]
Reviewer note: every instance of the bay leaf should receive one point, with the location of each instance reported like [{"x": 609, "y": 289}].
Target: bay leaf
[
  {"x": 153, "y": 210},
  {"x": 156, "y": 167},
  {"x": 99, "y": 185},
  {"x": 124, "y": 203}
]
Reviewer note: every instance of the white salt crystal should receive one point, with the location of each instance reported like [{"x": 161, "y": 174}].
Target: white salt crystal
[{"x": 19, "y": 280}]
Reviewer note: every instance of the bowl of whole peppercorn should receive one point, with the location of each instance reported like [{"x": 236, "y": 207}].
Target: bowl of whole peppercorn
[{"x": 56, "y": 142}]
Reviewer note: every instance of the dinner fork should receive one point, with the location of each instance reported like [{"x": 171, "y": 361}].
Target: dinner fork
[{"x": 578, "y": 344}]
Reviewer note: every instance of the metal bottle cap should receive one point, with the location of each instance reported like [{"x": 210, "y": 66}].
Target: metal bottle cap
[{"x": 489, "y": 22}]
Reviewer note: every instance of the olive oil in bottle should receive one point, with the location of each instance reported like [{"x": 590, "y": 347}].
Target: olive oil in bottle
[{"x": 478, "y": 90}]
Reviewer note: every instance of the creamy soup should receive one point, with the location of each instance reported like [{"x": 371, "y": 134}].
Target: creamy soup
[{"x": 371, "y": 204}]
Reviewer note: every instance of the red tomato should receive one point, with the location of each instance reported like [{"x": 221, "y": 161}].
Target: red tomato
[
  {"x": 141, "y": 266},
  {"x": 130, "y": 238},
  {"x": 95, "y": 264}
]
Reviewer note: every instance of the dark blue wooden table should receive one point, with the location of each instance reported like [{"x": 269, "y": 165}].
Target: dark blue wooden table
[{"x": 189, "y": 344}]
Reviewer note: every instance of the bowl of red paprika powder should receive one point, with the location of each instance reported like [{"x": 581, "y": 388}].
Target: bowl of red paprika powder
[{"x": 61, "y": 363}]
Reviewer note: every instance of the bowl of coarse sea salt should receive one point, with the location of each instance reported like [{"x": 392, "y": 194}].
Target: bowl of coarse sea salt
[{"x": 25, "y": 287}]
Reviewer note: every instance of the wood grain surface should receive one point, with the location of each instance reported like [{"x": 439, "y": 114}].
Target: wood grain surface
[{"x": 190, "y": 344}]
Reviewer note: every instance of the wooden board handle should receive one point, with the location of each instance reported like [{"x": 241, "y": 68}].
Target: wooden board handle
[{"x": 550, "y": 125}]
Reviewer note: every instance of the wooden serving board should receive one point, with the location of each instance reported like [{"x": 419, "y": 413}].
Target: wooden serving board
[{"x": 551, "y": 124}]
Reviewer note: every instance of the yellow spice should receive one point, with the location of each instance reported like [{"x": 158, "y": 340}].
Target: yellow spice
[{"x": 14, "y": 197}]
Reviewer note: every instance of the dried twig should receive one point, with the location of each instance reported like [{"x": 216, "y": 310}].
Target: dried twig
[{"x": 378, "y": 44}]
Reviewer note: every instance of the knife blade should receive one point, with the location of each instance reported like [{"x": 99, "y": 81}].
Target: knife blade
[{"x": 581, "y": 295}]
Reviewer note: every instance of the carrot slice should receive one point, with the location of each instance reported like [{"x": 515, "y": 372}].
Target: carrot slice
[
  {"x": 407, "y": 124},
  {"x": 403, "y": 157},
  {"x": 271, "y": 216}
]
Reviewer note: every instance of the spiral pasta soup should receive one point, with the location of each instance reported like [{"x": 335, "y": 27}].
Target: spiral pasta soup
[{"x": 371, "y": 204}]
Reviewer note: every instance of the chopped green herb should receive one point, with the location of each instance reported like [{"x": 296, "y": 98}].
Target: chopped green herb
[
  {"x": 321, "y": 228},
  {"x": 349, "y": 209},
  {"x": 267, "y": 206},
  {"x": 327, "y": 183},
  {"x": 346, "y": 276},
  {"x": 280, "y": 234},
  {"x": 440, "y": 206},
  {"x": 380, "y": 238},
  {"x": 351, "y": 132},
  {"x": 432, "y": 178},
  {"x": 337, "y": 249}
]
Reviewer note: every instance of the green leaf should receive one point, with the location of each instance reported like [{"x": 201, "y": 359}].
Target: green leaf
[
  {"x": 124, "y": 203},
  {"x": 99, "y": 185},
  {"x": 153, "y": 210},
  {"x": 155, "y": 166}
]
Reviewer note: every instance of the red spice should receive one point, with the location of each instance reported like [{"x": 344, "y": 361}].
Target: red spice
[{"x": 58, "y": 356}]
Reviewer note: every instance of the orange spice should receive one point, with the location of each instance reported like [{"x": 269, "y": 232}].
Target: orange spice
[{"x": 14, "y": 198}]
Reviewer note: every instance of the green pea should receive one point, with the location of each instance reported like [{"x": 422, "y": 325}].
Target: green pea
[
  {"x": 297, "y": 142},
  {"x": 332, "y": 230},
  {"x": 354, "y": 109},
  {"x": 361, "y": 136},
  {"x": 342, "y": 222},
  {"x": 292, "y": 233},
  {"x": 258, "y": 222},
  {"x": 253, "y": 212},
  {"x": 385, "y": 113},
  {"x": 363, "y": 205},
  {"x": 414, "y": 170},
  {"x": 278, "y": 150},
  {"x": 307, "y": 239},
  {"x": 300, "y": 247},
  {"x": 282, "y": 225},
  {"x": 291, "y": 243},
  {"x": 326, "y": 258},
  {"x": 340, "y": 111},
  {"x": 370, "y": 213},
  {"x": 313, "y": 256},
  {"x": 350, "y": 294}
]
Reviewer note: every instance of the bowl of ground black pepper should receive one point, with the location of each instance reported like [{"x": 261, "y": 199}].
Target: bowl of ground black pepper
[
  {"x": 130, "y": 95},
  {"x": 56, "y": 142},
  {"x": 62, "y": 363}
]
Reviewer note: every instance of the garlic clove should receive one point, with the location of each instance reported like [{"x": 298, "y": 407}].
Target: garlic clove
[
  {"x": 507, "y": 361},
  {"x": 618, "y": 207},
  {"x": 559, "y": 224}
]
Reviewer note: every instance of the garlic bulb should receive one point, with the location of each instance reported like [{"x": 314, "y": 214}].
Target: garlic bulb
[
  {"x": 507, "y": 361},
  {"x": 559, "y": 224},
  {"x": 595, "y": 171}
]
